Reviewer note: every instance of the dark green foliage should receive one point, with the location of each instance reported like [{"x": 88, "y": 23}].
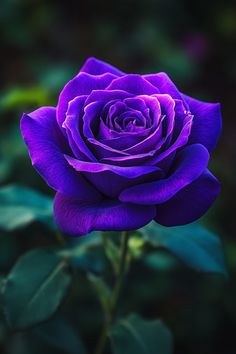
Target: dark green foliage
[
  {"x": 35, "y": 288},
  {"x": 135, "y": 335},
  {"x": 54, "y": 337},
  {"x": 19, "y": 206},
  {"x": 85, "y": 253},
  {"x": 59, "y": 334},
  {"x": 101, "y": 289},
  {"x": 193, "y": 244}
]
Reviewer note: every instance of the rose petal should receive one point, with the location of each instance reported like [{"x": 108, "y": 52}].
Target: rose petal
[
  {"x": 46, "y": 146},
  {"x": 207, "y": 123},
  {"x": 97, "y": 67},
  {"x": 102, "y": 151},
  {"x": 180, "y": 141},
  {"x": 111, "y": 184},
  {"x": 83, "y": 84},
  {"x": 97, "y": 167},
  {"x": 126, "y": 139},
  {"x": 78, "y": 218},
  {"x": 168, "y": 110},
  {"x": 190, "y": 203},
  {"x": 112, "y": 180},
  {"x": 190, "y": 163},
  {"x": 115, "y": 110},
  {"x": 73, "y": 125},
  {"x": 134, "y": 84},
  {"x": 91, "y": 119},
  {"x": 107, "y": 95},
  {"x": 180, "y": 116},
  {"x": 130, "y": 160},
  {"x": 105, "y": 132},
  {"x": 148, "y": 143},
  {"x": 164, "y": 84},
  {"x": 154, "y": 139},
  {"x": 150, "y": 102}
]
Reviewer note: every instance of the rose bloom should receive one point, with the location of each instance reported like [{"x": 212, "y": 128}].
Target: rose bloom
[{"x": 123, "y": 149}]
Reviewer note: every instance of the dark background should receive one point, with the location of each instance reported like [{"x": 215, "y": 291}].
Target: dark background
[{"x": 43, "y": 45}]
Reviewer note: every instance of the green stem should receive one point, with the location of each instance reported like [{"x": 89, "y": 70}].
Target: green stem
[
  {"x": 115, "y": 293},
  {"x": 121, "y": 272},
  {"x": 60, "y": 238}
]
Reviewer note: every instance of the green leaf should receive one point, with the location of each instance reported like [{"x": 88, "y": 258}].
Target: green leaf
[
  {"x": 35, "y": 288},
  {"x": 91, "y": 240},
  {"x": 53, "y": 337},
  {"x": 161, "y": 261},
  {"x": 19, "y": 206},
  {"x": 60, "y": 335},
  {"x": 23, "y": 96},
  {"x": 139, "y": 336},
  {"x": 112, "y": 252},
  {"x": 5, "y": 168},
  {"x": 102, "y": 290},
  {"x": 9, "y": 250},
  {"x": 193, "y": 244},
  {"x": 13, "y": 151},
  {"x": 85, "y": 253}
]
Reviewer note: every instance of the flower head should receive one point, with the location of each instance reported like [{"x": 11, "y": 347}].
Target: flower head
[{"x": 123, "y": 149}]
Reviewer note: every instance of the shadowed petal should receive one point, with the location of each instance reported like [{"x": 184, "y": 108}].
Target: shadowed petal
[
  {"x": 78, "y": 218},
  {"x": 126, "y": 139},
  {"x": 130, "y": 160},
  {"x": 104, "y": 151},
  {"x": 46, "y": 146},
  {"x": 190, "y": 203},
  {"x": 97, "y": 167},
  {"x": 207, "y": 122},
  {"x": 73, "y": 125},
  {"x": 91, "y": 119},
  {"x": 111, "y": 184},
  {"x": 190, "y": 164},
  {"x": 147, "y": 143},
  {"x": 110, "y": 179}
]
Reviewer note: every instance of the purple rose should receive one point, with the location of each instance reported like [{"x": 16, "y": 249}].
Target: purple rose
[{"x": 124, "y": 149}]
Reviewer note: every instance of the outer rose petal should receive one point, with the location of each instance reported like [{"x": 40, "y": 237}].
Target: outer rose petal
[
  {"x": 207, "y": 122},
  {"x": 83, "y": 84},
  {"x": 190, "y": 164},
  {"x": 46, "y": 146},
  {"x": 78, "y": 218},
  {"x": 190, "y": 203},
  {"x": 134, "y": 84},
  {"x": 164, "y": 84},
  {"x": 97, "y": 67}
]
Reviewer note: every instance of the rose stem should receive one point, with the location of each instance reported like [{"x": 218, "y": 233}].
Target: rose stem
[
  {"x": 115, "y": 292},
  {"x": 60, "y": 238}
]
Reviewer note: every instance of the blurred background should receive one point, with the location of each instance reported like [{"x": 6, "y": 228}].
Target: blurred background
[{"x": 43, "y": 45}]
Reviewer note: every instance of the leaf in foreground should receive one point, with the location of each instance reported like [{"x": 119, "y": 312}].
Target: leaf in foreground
[
  {"x": 59, "y": 334},
  {"x": 19, "y": 206},
  {"x": 193, "y": 244},
  {"x": 139, "y": 336},
  {"x": 35, "y": 288}
]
